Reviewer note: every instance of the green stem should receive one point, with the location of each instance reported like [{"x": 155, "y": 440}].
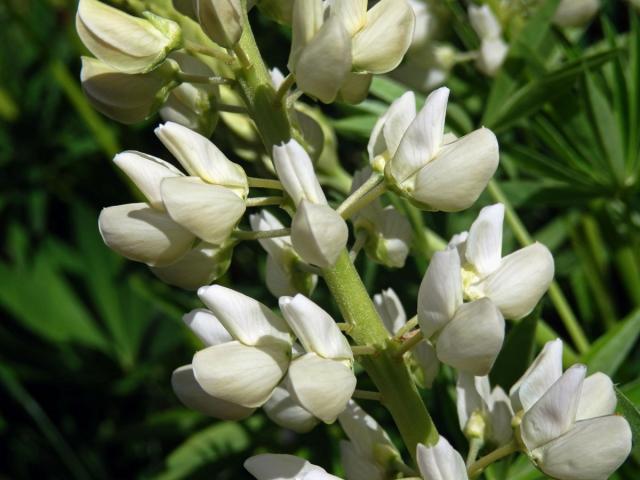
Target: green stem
[
  {"x": 367, "y": 395},
  {"x": 264, "y": 201},
  {"x": 476, "y": 467},
  {"x": 203, "y": 79},
  {"x": 283, "y": 89},
  {"x": 265, "y": 183},
  {"x": 360, "y": 350},
  {"x": 555, "y": 294},
  {"x": 406, "y": 328},
  {"x": 223, "y": 107},
  {"x": 474, "y": 448},
  {"x": 361, "y": 197},
  {"x": 399, "y": 393},
  {"x": 212, "y": 52},
  {"x": 247, "y": 235},
  {"x": 409, "y": 344}
]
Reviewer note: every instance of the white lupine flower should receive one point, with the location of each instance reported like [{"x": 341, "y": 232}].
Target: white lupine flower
[
  {"x": 388, "y": 232},
  {"x": 200, "y": 266},
  {"x": 393, "y": 316},
  {"x": 126, "y": 98},
  {"x": 467, "y": 336},
  {"x": 221, "y": 20},
  {"x": 318, "y": 233},
  {"x": 283, "y": 277},
  {"x": 269, "y": 466},
  {"x": 575, "y": 13},
  {"x": 433, "y": 173},
  {"x": 483, "y": 413},
  {"x": 143, "y": 232},
  {"x": 367, "y": 454},
  {"x": 321, "y": 380},
  {"x": 441, "y": 462},
  {"x": 191, "y": 105},
  {"x": 284, "y": 409},
  {"x": 211, "y": 201},
  {"x": 568, "y": 428},
  {"x": 247, "y": 369},
  {"x": 108, "y": 33},
  {"x": 493, "y": 49},
  {"x": 206, "y": 327},
  {"x": 515, "y": 283}
]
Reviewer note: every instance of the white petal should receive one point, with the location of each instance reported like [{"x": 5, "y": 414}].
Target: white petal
[
  {"x": 575, "y": 13},
  {"x": 240, "y": 374},
  {"x": 265, "y": 221},
  {"x": 208, "y": 211},
  {"x": 484, "y": 21},
  {"x": 191, "y": 394},
  {"x": 484, "y": 245},
  {"x": 381, "y": 45},
  {"x": 325, "y": 62},
  {"x": 598, "y": 397},
  {"x": 459, "y": 173},
  {"x": 357, "y": 467},
  {"x": 541, "y": 374},
  {"x": 297, "y": 174},
  {"x": 501, "y": 415},
  {"x": 363, "y": 431},
  {"x": 592, "y": 450},
  {"x": 270, "y": 466},
  {"x": 440, "y": 292},
  {"x": 319, "y": 234},
  {"x": 126, "y": 98},
  {"x": 355, "y": 88},
  {"x": 307, "y": 20},
  {"x": 352, "y": 13},
  {"x": 206, "y": 327},
  {"x": 555, "y": 412},
  {"x": 221, "y": 20},
  {"x": 425, "y": 355},
  {"x": 493, "y": 52},
  {"x": 244, "y": 318},
  {"x": 472, "y": 340},
  {"x": 521, "y": 280},
  {"x": 441, "y": 462},
  {"x": 390, "y": 127},
  {"x": 141, "y": 233},
  {"x": 315, "y": 328},
  {"x": 200, "y": 266},
  {"x": 459, "y": 242},
  {"x": 422, "y": 138},
  {"x": 472, "y": 394},
  {"x": 128, "y": 43},
  {"x": 147, "y": 172},
  {"x": 390, "y": 310},
  {"x": 395, "y": 235},
  {"x": 201, "y": 158},
  {"x": 321, "y": 386},
  {"x": 283, "y": 410}
]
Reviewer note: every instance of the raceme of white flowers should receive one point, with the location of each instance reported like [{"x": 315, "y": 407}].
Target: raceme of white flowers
[{"x": 297, "y": 364}]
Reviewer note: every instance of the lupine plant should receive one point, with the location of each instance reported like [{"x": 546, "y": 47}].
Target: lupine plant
[{"x": 197, "y": 63}]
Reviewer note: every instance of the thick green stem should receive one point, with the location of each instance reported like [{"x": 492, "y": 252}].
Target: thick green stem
[{"x": 389, "y": 373}]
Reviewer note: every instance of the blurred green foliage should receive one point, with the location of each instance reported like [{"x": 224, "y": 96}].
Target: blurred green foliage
[{"x": 88, "y": 341}]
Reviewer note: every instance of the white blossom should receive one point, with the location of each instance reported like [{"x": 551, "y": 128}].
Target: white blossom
[
  {"x": 441, "y": 462},
  {"x": 270, "y": 466},
  {"x": 493, "y": 49},
  {"x": 575, "y": 13},
  {"x": 221, "y": 20}
]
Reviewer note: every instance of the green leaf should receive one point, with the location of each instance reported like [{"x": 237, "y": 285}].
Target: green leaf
[
  {"x": 204, "y": 448},
  {"x": 386, "y": 89},
  {"x": 358, "y": 127},
  {"x": 630, "y": 411},
  {"x": 610, "y": 351},
  {"x": 517, "y": 352},
  {"x": 535, "y": 30}
]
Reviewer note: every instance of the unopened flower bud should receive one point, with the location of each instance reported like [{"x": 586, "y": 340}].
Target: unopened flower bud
[
  {"x": 575, "y": 13},
  {"x": 126, "y": 43},
  {"x": 441, "y": 461},
  {"x": 127, "y": 98},
  {"x": 221, "y": 20}
]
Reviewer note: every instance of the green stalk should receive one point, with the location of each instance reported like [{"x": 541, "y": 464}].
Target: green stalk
[
  {"x": 389, "y": 373},
  {"x": 555, "y": 293},
  {"x": 628, "y": 265}
]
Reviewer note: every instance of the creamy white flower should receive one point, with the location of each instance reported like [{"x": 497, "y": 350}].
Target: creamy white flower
[
  {"x": 434, "y": 174},
  {"x": 467, "y": 336},
  {"x": 568, "y": 428},
  {"x": 388, "y": 232},
  {"x": 575, "y": 13},
  {"x": 483, "y": 413},
  {"x": 126, "y": 43},
  {"x": 441, "y": 462},
  {"x": 284, "y": 409},
  {"x": 515, "y": 283},
  {"x": 394, "y": 318},
  {"x": 247, "y": 369},
  {"x": 321, "y": 380},
  {"x": 493, "y": 49},
  {"x": 126, "y": 98},
  {"x": 270, "y": 466},
  {"x": 296, "y": 173},
  {"x": 367, "y": 454},
  {"x": 221, "y": 20},
  {"x": 283, "y": 276}
]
